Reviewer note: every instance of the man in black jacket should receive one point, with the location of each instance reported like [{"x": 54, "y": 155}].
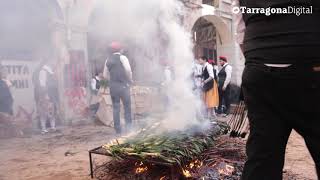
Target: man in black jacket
[{"x": 281, "y": 83}]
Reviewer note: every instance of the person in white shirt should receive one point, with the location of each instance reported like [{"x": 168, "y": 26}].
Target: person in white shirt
[
  {"x": 95, "y": 98},
  {"x": 197, "y": 74},
  {"x": 95, "y": 82},
  {"x": 166, "y": 82},
  {"x": 48, "y": 98},
  {"x": 118, "y": 72},
  {"x": 224, "y": 79}
]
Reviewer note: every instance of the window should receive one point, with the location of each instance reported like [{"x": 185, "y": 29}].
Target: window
[{"x": 209, "y": 2}]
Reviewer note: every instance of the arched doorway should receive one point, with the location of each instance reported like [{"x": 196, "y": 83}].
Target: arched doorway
[
  {"x": 213, "y": 38},
  {"x": 205, "y": 39},
  {"x": 211, "y": 35}
]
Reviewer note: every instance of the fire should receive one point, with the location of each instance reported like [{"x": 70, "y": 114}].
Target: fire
[
  {"x": 227, "y": 170},
  {"x": 141, "y": 168},
  {"x": 193, "y": 165},
  {"x": 186, "y": 173}
]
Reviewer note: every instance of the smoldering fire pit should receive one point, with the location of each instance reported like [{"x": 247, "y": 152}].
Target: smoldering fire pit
[{"x": 171, "y": 155}]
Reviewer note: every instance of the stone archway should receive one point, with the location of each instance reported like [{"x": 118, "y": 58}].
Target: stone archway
[
  {"x": 210, "y": 32},
  {"x": 222, "y": 29},
  {"x": 223, "y": 44}
]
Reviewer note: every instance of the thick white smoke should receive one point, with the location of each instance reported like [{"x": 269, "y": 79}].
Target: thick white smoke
[{"x": 155, "y": 30}]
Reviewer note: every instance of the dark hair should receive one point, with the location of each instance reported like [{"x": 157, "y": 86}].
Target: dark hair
[{"x": 204, "y": 58}]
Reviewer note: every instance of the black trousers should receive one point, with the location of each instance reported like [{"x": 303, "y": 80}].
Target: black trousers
[
  {"x": 121, "y": 92},
  {"x": 224, "y": 99},
  {"x": 280, "y": 100}
]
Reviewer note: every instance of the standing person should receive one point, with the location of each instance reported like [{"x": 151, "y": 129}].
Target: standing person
[
  {"x": 224, "y": 79},
  {"x": 6, "y": 99},
  {"x": 281, "y": 84},
  {"x": 167, "y": 79},
  {"x": 95, "y": 99},
  {"x": 215, "y": 71},
  {"x": 197, "y": 77},
  {"x": 120, "y": 75},
  {"x": 215, "y": 68},
  {"x": 48, "y": 98},
  {"x": 95, "y": 83},
  {"x": 209, "y": 87},
  {"x": 197, "y": 88}
]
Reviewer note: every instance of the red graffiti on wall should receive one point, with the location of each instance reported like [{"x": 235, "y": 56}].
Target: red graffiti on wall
[
  {"x": 75, "y": 82},
  {"x": 76, "y": 100}
]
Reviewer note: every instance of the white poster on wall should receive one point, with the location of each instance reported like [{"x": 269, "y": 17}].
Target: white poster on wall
[{"x": 20, "y": 75}]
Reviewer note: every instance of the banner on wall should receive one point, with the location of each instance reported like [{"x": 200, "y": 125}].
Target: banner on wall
[{"x": 20, "y": 75}]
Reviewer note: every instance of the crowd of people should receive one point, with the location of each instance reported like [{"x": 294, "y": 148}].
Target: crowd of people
[{"x": 212, "y": 84}]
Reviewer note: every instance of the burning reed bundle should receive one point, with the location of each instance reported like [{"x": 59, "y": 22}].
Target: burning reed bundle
[
  {"x": 174, "y": 148},
  {"x": 224, "y": 160},
  {"x": 239, "y": 123}
]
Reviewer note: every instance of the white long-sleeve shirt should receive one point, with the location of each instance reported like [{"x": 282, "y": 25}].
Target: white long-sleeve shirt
[
  {"x": 94, "y": 83},
  {"x": 124, "y": 61},
  {"x": 167, "y": 76},
  {"x": 209, "y": 69},
  {"x": 43, "y": 75},
  {"x": 197, "y": 72},
  {"x": 216, "y": 68}
]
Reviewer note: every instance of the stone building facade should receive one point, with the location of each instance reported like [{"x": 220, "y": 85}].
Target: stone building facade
[{"x": 69, "y": 21}]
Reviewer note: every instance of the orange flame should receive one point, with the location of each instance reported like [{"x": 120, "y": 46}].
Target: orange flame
[
  {"x": 186, "y": 173},
  {"x": 141, "y": 168},
  {"x": 193, "y": 165}
]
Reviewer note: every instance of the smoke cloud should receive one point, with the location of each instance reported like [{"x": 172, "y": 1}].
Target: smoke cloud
[{"x": 154, "y": 29}]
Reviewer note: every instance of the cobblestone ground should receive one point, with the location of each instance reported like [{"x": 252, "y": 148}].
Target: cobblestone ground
[{"x": 298, "y": 159}]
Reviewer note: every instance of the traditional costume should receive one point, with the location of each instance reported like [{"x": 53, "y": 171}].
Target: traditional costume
[
  {"x": 120, "y": 74},
  {"x": 210, "y": 89},
  {"x": 224, "y": 79},
  {"x": 48, "y": 98}
]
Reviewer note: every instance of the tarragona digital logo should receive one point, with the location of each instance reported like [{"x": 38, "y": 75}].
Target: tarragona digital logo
[{"x": 296, "y": 10}]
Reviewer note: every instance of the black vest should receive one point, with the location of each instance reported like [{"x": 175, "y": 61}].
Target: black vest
[
  {"x": 98, "y": 84},
  {"x": 205, "y": 75},
  {"x": 222, "y": 76},
  {"x": 117, "y": 72},
  {"x": 52, "y": 88}
]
